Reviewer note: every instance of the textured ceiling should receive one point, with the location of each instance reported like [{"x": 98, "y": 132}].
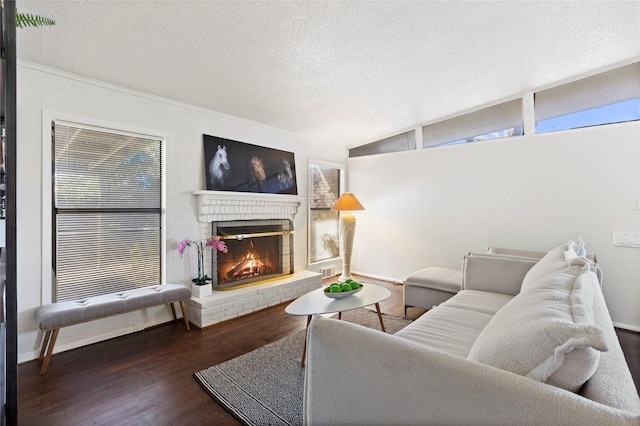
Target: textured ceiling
[{"x": 342, "y": 72}]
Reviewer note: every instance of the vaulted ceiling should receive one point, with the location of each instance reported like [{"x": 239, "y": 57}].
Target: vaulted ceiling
[{"x": 340, "y": 72}]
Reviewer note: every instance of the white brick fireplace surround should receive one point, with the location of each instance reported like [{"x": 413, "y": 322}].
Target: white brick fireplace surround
[{"x": 218, "y": 206}]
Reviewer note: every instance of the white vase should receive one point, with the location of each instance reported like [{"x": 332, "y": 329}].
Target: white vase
[{"x": 200, "y": 290}]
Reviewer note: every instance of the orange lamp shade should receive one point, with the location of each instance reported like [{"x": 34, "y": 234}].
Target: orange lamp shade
[{"x": 347, "y": 201}]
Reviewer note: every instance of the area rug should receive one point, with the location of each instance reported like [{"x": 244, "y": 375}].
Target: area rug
[{"x": 265, "y": 386}]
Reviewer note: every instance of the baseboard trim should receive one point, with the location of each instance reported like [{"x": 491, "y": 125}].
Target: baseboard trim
[
  {"x": 378, "y": 277},
  {"x": 626, "y": 326}
]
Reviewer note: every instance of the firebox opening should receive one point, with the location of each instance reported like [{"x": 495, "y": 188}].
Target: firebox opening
[{"x": 256, "y": 251}]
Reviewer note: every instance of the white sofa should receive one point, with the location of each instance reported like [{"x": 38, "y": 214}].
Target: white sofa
[{"x": 525, "y": 341}]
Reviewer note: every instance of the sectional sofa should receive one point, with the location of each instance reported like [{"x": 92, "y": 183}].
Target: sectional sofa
[{"x": 526, "y": 341}]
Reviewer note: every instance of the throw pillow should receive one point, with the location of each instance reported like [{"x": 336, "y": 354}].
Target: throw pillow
[
  {"x": 547, "y": 334},
  {"x": 580, "y": 248},
  {"x": 563, "y": 258}
]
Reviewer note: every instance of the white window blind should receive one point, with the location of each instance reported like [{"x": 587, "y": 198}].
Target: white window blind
[
  {"x": 610, "y": 88},
  {"x": 107, "y": 211},
  {"x": 503, "y": 120},
  {"x": 402, "y": 142}
]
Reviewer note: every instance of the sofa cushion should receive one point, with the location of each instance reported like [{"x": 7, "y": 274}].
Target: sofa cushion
[
  {"x": 444, "y": 329},
  {"x": 551, "y": 262},
  {"x": 486, "y": 302},
  {"x": 433, "y": 277},
  {"x": 547, "y": 333},
  {"x": 531, "y": 254},
  {"x": 612, "y": 383},
  {"x": 495, "y": 273},
  {"x": 560, "y": 259}
]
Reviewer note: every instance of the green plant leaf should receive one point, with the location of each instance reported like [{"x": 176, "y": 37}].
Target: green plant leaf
[{"x": 28, "y": 20}]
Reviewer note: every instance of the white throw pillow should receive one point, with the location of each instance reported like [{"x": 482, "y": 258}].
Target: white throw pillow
[
  {"x": 547, "y": 334},
  {"x": 580, "y": 248},
  {"x": 563, "y": 258}
]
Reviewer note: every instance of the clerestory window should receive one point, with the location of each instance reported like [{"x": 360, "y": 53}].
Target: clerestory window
[
  {"x": 495, "y": 122},
  {"x": 403, "y": 142},
  {"x": 607, "y": 98}
]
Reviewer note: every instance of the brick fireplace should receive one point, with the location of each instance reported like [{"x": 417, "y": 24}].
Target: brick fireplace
[{"x": 238, "y": 214}]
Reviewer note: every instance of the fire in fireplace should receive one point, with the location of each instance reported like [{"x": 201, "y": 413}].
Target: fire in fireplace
[{"x": 257, "y": 250}]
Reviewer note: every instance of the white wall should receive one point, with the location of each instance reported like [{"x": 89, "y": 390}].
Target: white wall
[
  {"x": 47, "y": 93},
  {"x": 425, "y": 207},
  {"x": 429, "y": 207}
]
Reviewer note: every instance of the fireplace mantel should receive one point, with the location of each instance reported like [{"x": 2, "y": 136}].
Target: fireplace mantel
[{"x": 217, "y": 206}]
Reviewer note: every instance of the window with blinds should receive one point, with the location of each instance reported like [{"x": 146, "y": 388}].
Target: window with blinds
[
  {"x": 607, "y": 98},
  {"x": 325, "y": 186},
  {"x": 402, "y": 142},
  {"x": 499, "y": 121},
  {"x": 107, "y": 206}
]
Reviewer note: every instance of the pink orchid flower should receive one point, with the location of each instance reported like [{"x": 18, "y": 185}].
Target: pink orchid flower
[
  {"x": 217, "y": 244},
  {"x": 182, "y": 245}
]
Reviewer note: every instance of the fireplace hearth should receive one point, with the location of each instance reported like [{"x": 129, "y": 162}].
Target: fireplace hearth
[{"x": 257, "y": 250}]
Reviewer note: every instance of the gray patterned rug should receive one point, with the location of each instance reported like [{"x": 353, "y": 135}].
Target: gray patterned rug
[{"x": 264, "y": 387}]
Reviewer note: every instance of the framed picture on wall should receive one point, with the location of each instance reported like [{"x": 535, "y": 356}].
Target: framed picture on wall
[{"x": 238, "y": 166}]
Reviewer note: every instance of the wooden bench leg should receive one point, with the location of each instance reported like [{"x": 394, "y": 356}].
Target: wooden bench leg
[
  {"x": 184, "y": 314},
  {"x": 45, "y": 343},
  {"x": 173, "y": 311},
  {"x": 47, "y": 358}
]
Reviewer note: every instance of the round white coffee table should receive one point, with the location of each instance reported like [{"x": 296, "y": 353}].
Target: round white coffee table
[{"x": 315, "y": 302}]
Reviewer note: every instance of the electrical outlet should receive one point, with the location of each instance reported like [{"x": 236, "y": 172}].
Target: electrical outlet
[{"x": 635, "y": 204}]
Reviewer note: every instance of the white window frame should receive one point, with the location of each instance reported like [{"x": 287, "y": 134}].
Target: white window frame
[
  {"x": 47, "y": 118},
  {"x": 343, "y": 169}
]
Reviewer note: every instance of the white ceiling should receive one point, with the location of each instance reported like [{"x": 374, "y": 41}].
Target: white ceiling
[{"x": 344, "y": 72}]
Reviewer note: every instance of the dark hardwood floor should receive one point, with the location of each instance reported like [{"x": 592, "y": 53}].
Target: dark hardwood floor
[{"x": 145, "y": 378}]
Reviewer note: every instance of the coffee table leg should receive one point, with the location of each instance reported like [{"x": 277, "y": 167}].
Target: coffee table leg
[
  {"x": 304, "y": 349},
  {"x": 380, "y": 317}
]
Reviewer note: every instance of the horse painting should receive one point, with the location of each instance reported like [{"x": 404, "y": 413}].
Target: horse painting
[
  {"x": 218, "y": 165},
  {"x": 258, "y": 175},
  {"x": 285, "y": 174}
]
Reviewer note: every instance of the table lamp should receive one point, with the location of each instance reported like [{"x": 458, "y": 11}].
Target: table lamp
[{"x": 345, "y": 204}]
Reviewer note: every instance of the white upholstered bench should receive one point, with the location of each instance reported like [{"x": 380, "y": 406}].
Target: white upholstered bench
[{"x": 57, "y": 315}]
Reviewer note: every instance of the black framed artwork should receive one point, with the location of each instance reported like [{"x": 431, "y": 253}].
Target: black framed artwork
[{"x": 238, "y": 166}]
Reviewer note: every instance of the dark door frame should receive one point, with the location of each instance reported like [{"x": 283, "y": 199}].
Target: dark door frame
[{"x": 10, "y": 382}]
